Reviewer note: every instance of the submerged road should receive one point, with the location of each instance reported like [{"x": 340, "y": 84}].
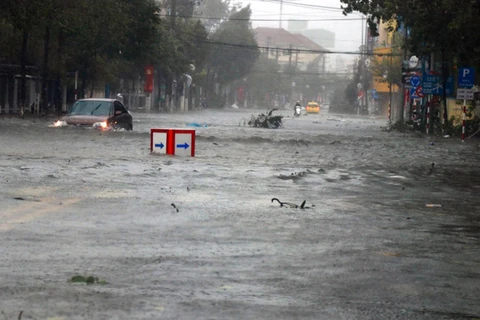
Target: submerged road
[{"x": 386, "y": 235}]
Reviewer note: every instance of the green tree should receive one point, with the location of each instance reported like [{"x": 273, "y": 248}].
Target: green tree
[
  {"x": 213, "y": 12},
  {"x": 234, "y": 49},
  {"x": 438, "y": 26},
  {"x": 24, "y": 16},
  {"x": 264, "y": 80},
  {"x": 103, "y": 40},
  {"x": 444, "y": 29}
]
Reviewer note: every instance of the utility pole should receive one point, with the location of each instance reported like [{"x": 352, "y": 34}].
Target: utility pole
[
  {"x": 290, "y": 57},
  {"x": 361, "y": 85},
  {"x": 390, "y": 71},
  {"x": 169, "y": 87},
  {"x": 404, "y": 69},
  {"x": 361, "y": 50},
  {"x": 268, "y": 47},
  {"x": 296, "y": 60},
  {"x": 281, "y": 14},
  {"x": 365, "y": 65}
]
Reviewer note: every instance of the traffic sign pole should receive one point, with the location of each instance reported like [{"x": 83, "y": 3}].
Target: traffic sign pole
[
  {"x": 427, "y": 127},
  {"x": 463, "y": 119},
  {"x": 389, "y": 113},
  {"x": 466, "y": 81}
]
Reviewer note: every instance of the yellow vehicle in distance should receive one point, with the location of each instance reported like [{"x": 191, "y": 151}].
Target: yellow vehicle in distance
[{"x": 312, "y": 107}]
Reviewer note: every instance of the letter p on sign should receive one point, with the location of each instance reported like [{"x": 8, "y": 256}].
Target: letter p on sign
[{"x": 466, "y": 78}]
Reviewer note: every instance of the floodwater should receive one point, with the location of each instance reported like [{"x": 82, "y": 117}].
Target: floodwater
[{"x": 386, "y": 235}]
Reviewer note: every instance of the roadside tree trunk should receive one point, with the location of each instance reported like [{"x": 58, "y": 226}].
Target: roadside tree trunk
[
  {"x": 58, "y": 83},
  {"x": 46, "y": 49},
  {"x": 23, "y": 72}
]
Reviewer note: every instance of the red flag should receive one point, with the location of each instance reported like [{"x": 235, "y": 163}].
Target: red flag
[{"x": 148, "y": 79}]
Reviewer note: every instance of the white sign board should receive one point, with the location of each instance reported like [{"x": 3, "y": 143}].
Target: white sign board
[
  {"x": 464, "y": 94},
  {"x": 413, "y": 62},
  {"x": 159, "y": 142},
  {"x": 183, "y": 144}
]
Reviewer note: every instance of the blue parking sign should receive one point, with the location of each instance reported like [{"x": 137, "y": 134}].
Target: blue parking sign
[{"x": 466, "y": 77}]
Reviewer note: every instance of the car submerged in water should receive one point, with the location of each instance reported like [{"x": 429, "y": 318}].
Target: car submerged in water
[{"x": 103, "y": 114}]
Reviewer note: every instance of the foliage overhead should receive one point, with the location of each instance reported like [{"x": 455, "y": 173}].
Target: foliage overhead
[
  {"x": 446, "y": 27},
  {"x": 101, "y": 39},
  {"x": 213, "y": 12}
]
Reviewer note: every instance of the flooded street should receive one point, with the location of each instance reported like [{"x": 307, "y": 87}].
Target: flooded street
[{"x": 386, "y": 235}]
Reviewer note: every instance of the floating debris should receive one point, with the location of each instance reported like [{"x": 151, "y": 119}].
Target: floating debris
[
  {"x": 431, "y": 169},
  {"x": 174, "y": 206},
  {"x": 25, "y": 199},
  {"x": 292, "y": 205},
  {"x": 87, "y": 280},
  {"x": 266, "y": 121}
]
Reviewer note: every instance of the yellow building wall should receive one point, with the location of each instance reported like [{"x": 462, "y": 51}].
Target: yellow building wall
[
  {"x": 378, "y": 82},
  {"x": 382, "y": 87},
  {"x": 384, "y": 42},
  {"x": 455, "y": 110}
]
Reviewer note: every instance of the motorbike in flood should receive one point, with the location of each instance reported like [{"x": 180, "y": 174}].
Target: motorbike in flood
[{"x": 297, "y": 112}]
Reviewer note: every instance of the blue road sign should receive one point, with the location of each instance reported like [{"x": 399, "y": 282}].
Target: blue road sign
[
  {"x": 415, "y": 81},
  {"x": 466, "y": 77},
  {"x": 432, "y": 84},
  {"x": 159, "y": 145},
  {"x": 413, "y": 93}
]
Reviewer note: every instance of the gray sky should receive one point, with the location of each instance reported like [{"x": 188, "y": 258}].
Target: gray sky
[{"x": 347, "y": 31}]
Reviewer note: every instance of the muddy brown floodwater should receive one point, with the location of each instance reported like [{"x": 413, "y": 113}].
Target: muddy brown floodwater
[{"x": 75, "y": 201}]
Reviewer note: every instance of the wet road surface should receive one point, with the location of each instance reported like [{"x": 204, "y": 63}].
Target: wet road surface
[{"x": 82, "y": 202}]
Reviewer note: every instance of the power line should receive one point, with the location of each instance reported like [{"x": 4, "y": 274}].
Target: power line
[
  {"x": 309, "y": 6},
  {"x": 290, "y": 50},
  {"x": 303, "y": 5},
  {"x": 269, "y": 13},
  {"x": 247, "y": 19},
  {"x": 304, "y": 73}
]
